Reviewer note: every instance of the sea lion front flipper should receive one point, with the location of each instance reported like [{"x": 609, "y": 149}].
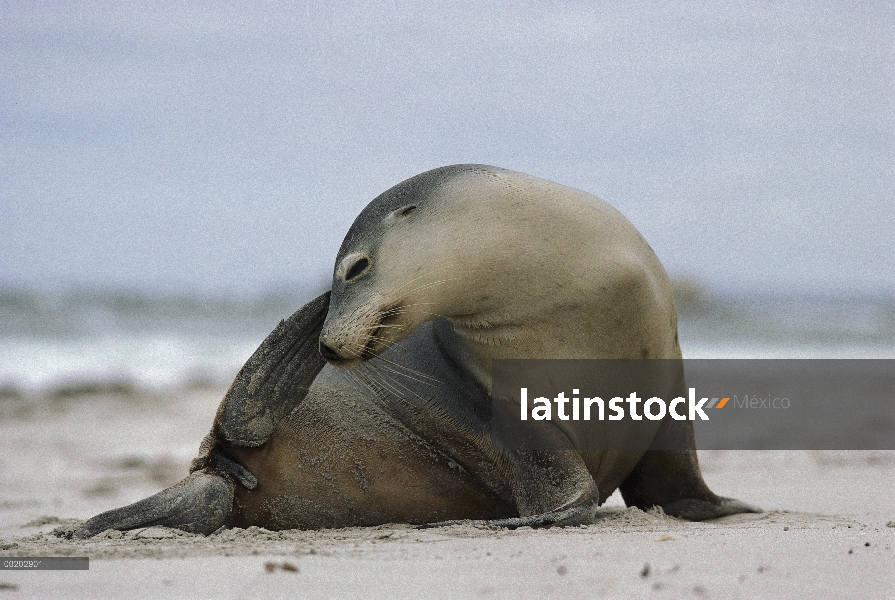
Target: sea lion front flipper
[
  {"x": 201, "y": 503},
  {"x": 550, "y": 488},
  {"x": 274, "y": 379},
  {"x": 582, "y": 511}
]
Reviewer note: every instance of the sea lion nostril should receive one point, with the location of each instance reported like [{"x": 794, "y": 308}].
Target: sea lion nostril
[{"x": 329, "y": 354}]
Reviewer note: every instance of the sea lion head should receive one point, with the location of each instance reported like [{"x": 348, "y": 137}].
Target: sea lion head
[
  {"x": 520, "y": 267},
  {"x": 409, "y": 257}
]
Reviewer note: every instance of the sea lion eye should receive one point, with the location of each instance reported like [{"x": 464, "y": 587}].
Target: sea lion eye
[
  {"x": 356, "y": 269},
  {"x": 407, "y": 210}
]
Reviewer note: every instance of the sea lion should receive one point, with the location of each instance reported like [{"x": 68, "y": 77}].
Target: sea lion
[{"x": 437, "y": 277}]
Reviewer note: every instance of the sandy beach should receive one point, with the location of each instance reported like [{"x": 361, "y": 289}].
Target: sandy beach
[
  {"x": 828, "y": 529},
  {"x": 177, "y": 178}
]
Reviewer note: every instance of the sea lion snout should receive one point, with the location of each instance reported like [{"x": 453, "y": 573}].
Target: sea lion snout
[
  {"x": 365, "y": 333},
  {"x": 333, "y": 349},
  {"x": 351, "y": 334}
]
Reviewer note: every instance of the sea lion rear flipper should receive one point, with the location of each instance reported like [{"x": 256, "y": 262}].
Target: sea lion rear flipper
[
  {"x": 702, "y": 510},
  {"x": 201, "y": 503},
  {"x": 668, "y": 476},
  {"x": 273, "y": 381}
]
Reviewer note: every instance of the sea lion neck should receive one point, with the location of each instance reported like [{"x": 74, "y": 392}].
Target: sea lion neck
[{"x": 473, "y": 345}]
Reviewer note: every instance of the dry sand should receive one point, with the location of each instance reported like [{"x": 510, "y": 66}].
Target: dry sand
[{"x": 829, "y": 529}]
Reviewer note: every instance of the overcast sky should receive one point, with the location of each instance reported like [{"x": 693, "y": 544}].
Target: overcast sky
[{"x": 228, "y": 146}]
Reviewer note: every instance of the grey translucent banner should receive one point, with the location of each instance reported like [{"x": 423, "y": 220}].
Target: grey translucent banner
[
  {"x": 44, "y": 563},
  {"x": 775, "y": 404}
]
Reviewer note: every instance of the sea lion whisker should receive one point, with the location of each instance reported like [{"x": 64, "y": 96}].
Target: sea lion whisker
[
  {"x": 386, "y": 376},
  {"x": 384, "y": 379},
  {"x": 404, "y": 306},
  {"x": 399, "y": 309},
  {"x": 358, "y": 376},
  {"x": 401, "y": 396},
  {"x": 417, "y": 278},
  {"x": 406, "y": 368},
  {"x": 361, "y": 371},
  {"x": 378, "y": 338},
  {"x": 403, "y": 373},
  {"x": 433, "y": 284},
  {"x": 427, "y": 285}
]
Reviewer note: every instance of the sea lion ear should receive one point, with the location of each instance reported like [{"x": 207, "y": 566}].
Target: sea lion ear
[{"x": 275, "y": 379}]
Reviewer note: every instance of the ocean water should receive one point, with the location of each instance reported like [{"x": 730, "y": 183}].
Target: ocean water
[
  {"x": 79, "y": 341},
  {"x": 787, "y": 327}
]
